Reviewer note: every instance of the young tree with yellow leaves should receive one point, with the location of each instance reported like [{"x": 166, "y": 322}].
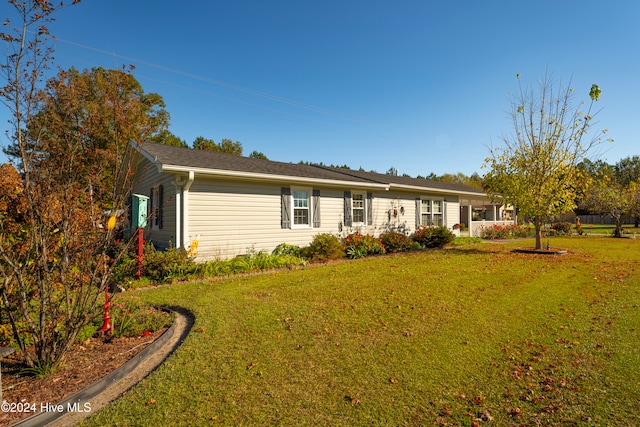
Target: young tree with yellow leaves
[{"x": 535, "y": 168}]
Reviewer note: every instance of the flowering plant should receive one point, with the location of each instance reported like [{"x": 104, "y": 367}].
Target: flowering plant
[
  {"x": 507, "y": 231},
  {"x": 358, "y": 245}
]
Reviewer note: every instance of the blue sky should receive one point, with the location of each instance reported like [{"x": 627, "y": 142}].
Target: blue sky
[{"x": 421, "y": 86}]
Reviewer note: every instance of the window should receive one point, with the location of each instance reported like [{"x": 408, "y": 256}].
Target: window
[
  {"x": 357, "y": 208},
  {"x": 155, "y": 212},
  {"x": 300, "y": 207},
  {"x": 431, "y": 212}
]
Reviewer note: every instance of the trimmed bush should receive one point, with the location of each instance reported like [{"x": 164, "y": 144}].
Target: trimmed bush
[
  {"x": 433, "y": 237},
  {"x": 324, "y": 247},
  {"x": 562, "y": 228},
  {"x": 358, "y": 245},
  {"x": 396, "y": 242}
]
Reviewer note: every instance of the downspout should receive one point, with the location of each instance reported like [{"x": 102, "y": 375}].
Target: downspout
[
  {"x": 178, "y": 184},
  {"x": 186, "y": 241}
]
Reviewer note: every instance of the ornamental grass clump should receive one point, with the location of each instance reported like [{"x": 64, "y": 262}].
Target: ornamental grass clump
[{"x": 358, "y": 245}]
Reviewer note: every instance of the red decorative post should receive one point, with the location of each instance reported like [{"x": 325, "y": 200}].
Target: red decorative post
[{"x": 106, "y": 325}]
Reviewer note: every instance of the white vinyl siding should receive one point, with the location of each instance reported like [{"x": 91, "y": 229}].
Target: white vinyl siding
[
  {"x": 452, "y": 212},
  {"x": 229, "y": 218},
  {"x": 161, "y": 230}
]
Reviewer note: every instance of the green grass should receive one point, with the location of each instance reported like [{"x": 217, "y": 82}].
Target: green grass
[
  {"x": 440, "y": 337},
  {"x": 608, "y": 229}
]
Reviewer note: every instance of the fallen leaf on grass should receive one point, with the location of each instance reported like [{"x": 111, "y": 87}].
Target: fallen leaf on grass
[
  {"x": 446, "y": 411},
  {"x": 353, "y": 400},
  {"x": 150, "y": 402},
  {"x": 478, "y": 400},
  {"x": 515, "y": 412}
]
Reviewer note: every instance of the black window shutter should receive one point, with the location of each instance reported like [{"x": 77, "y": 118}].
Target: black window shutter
[
  {"x": 160, "y": 205},
  {"x": 418, "y": 207},
  {"x": 285, "y": 207},
  {"x": 151, "y": 213},
  {"x": 348, "y": 218},
  {"x": 369, "y": 208},
  {"x": 315, "y": 202}
]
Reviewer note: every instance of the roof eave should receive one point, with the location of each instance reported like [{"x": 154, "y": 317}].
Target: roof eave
[
  {"x": 436, "y": 190},
  {"x": 253, "y": 176}
]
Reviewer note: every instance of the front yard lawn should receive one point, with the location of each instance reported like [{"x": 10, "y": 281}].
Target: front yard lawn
[{"x": 474, "y": 334}]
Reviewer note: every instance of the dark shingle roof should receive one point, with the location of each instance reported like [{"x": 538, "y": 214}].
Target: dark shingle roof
[
  {"x": 202, "y": 159},
  {"x": 168, "y": 155},
  {"x": 414, "y": 182}
]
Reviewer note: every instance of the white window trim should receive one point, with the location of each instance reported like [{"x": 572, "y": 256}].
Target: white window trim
[
  {"x": 309, "y": 208},
  {"x": 431, "y": 211},
  {"x": 364, "y": 208}
]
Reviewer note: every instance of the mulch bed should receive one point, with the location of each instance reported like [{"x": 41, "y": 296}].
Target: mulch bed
[{"x": 82, "y": 366}]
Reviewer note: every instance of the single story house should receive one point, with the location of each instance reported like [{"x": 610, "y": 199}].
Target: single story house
[{"x": 231, "y": 204}]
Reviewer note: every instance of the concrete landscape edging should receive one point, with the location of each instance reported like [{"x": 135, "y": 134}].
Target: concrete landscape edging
[{"x": 107, "y": 389}]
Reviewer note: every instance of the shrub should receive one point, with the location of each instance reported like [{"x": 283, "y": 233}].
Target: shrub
[
  {"x": 562, "y": 228},
  {"x": 509, "y": 231},
  {"x": 358, "y": 245},
  {"x": 168, "y": 265},
  {"x": 396, "y": 242},
  {"x": 323, "y": 247},
  {"x": 415, "y": 246},
  {"x": 286, "y": 249},
  {"x": 433, "y": 237},
  {"x": 158, "y": 266},
  {"x": 258, "y": 260}
]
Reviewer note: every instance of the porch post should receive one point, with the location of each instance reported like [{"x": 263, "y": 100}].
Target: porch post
[
  {"x": 470, "y": 220},
  {"x": 495, "y": 215},
  {"x": 186, "y": 239},
  {"x": 178, "y": 243}
]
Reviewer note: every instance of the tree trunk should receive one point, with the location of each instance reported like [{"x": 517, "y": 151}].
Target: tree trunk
[
  {"x": 538, "y": 224},
  {"x": 618, "y": 231}
]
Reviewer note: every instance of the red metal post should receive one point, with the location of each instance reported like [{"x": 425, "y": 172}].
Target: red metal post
[{"x": 106, "y": 325}]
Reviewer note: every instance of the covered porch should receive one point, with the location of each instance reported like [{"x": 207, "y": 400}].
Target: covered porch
[{"x": 476, "y": 214}]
